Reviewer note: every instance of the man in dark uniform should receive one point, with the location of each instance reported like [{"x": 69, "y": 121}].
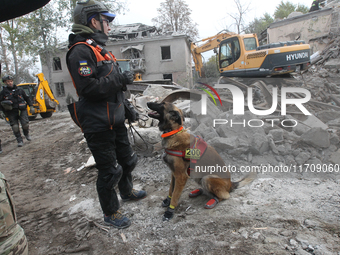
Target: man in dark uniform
[
  {"x": 13, "y": 103},
  {"x": 100, "y": 110},
  {"x": 315, "y": 6}
]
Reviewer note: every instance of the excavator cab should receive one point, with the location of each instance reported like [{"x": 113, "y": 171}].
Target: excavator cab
[
  {"x": 229, "y": 52},
  {"x": 30, "y": 90}
]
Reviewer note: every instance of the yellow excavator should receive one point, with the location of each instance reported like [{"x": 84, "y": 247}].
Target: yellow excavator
[
  {"x": 42, "y": 97},
  {"x": 239, "y": 55}
]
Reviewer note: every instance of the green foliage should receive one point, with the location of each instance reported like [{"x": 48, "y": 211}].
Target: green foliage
[
  {"x": 302, "y": 8},
  {"x": 174, "y": 15},
  {"x": 284, "y": 9},
  {"x": 258, "y": 25},
  {"x": 211, "y": 68}
]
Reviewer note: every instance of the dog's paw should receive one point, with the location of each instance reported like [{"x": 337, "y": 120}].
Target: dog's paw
[
  {"x": 169, "y": 214},
  {"x": 211, "y": 203},
  {"x": 166, "y": 202},
  {"x": 196, "y": 193}
]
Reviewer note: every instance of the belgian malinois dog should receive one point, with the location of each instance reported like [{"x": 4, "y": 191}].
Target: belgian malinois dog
[{"x": 176, "y": 142}]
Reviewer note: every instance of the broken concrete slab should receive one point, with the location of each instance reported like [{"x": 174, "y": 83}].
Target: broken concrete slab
[
  {"x": 277, "y": 135},
  {"x": 202, "y": 128},
  {"x": 327, "y": 115},
  {"x": 142, "y": 100},
  {"x": 243, "y": 147},
  {"x": 210, "y": 135},
  {"x": 300, "y": 129},
  {"x": 335, "y": 157},
  {"x": 151, "y": 136},
  {"x": 224, "y": 144},
  {"x": 332, "y": 64},
  {"x": 237, "y": 126},
  {"x": 334, "y": 138},
  {"x": 302, "y": 157},
  {"x": 313, "y": 121},
  {"x": 272, "y": 145},
  {"x": 212, "y": 110},
  {"x": 334, "y": 123},
  {"x": 317, "y": 137},
  {"x": 156, "y": 91},
  {"x": 290, "y": 136},
  {"x": 259, "y": 144}
]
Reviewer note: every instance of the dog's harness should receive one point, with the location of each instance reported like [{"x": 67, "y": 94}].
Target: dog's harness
[{"x": 192, "y": 154}]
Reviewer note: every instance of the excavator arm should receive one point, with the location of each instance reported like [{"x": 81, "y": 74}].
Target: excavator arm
[
  {"x": 44, "y": 87},
  {"x": 210, "y": 44}
]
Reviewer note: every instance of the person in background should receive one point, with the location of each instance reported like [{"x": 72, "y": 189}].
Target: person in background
[
  {"x": 315, "y": 6},
  {"x": 13, "y": 102},
  {"x": 100, "y": 110}
]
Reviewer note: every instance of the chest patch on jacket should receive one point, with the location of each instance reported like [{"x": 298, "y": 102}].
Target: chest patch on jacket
[{"x": 85, "y": 70}]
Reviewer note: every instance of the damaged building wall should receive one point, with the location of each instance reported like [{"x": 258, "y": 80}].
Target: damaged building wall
[
  {"x": 157, "y": 65},
  {"x": 314, "y": 28}
]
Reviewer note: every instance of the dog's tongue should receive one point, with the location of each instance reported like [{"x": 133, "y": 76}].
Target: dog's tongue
[{"x": 153, "y": 113}]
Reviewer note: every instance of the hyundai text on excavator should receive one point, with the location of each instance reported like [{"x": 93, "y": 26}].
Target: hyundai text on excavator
[
  {"x": 239, "y": 55},
  {"x": 42, "y": 97}
]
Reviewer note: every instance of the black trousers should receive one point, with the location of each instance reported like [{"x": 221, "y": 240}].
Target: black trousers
[
  {"x": 14, "y": 117},
  {"x": 115, "y": 161}
]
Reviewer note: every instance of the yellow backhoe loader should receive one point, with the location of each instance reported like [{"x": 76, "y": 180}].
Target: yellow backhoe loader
[{"x": 42, "y": 97}]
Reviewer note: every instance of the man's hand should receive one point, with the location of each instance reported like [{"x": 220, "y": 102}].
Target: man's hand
[
  {"x": 128, "y": 76},
  {"x": 32, "y": 110}
]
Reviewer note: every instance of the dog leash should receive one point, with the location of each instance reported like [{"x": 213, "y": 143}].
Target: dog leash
[{"x": 132, "y": 129}]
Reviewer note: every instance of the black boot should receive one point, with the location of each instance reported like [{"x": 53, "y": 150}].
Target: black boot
[
  {"x": 26, "y": 134},
  {"x": 20, "y": 142}
]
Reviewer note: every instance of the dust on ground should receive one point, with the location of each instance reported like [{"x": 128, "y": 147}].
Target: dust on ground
[{"x": 58, "y": 207}]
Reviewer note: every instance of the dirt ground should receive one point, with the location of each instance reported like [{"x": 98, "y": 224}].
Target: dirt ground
[{"x": 58, "y": 207}]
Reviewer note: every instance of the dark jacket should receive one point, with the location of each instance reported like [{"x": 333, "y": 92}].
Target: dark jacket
[
  {"x": 16, "y": 95},
  {"x": 98, "y": 85},
  {"x": 315, "y": 6}
]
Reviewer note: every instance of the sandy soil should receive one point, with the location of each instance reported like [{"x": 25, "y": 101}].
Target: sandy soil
[{"x": 59, "y": 210}]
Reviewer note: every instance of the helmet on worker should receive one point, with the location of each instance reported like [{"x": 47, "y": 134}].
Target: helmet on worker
[
  {"x": 86, "y": 10},
  {"x": 8, "y": 80}
]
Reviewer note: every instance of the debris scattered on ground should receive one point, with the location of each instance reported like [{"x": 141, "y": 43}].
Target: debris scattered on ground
[{"x": 290, "y": 213}]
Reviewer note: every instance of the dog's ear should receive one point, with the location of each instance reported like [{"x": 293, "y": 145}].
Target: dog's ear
[{"x": 175, "y": 116}]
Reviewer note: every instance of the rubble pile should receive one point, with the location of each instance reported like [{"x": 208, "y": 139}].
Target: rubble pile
[
  {"x": 331, "y": 51},
  {"x": 292, "y": 140}
]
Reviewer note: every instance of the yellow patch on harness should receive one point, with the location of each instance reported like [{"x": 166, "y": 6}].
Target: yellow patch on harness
[{"x": 192, "y": 154}]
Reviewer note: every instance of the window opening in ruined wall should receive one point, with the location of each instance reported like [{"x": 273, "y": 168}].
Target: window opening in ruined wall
[
  {"x": 59, "y": 88},
  {"x": 56, "y": 64},
  {"x": 167, "y": 76},
  {"x": 166, "y": 53}
]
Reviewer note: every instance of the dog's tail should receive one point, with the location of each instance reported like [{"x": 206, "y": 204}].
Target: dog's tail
[{"x": 244, "y": 181}]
